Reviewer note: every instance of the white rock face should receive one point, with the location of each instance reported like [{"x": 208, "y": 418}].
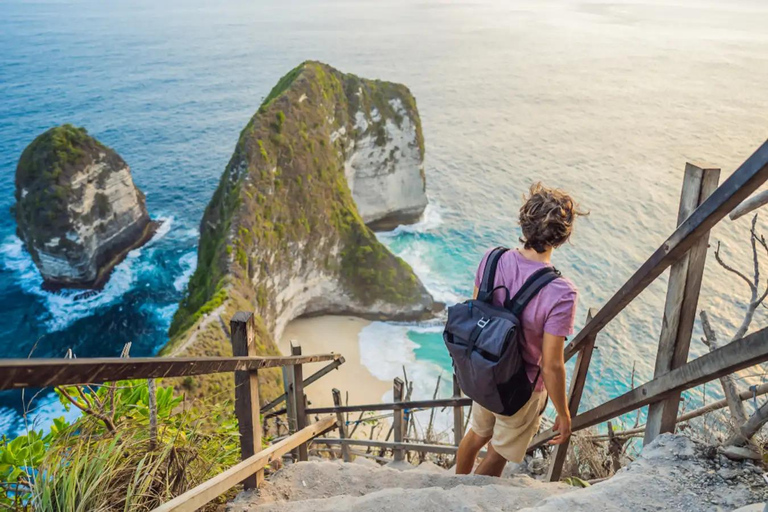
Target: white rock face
[
  {"x": 308, "y": 289},
  {"x": 385, "y": 170},
  {"x": 96, "y": 236},
  {"x": 100, "y": 216}
]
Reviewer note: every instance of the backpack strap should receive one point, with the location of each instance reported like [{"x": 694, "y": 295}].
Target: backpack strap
[
  {"x": 485, "y": 293},
  {"x": 531, "y": 287}
]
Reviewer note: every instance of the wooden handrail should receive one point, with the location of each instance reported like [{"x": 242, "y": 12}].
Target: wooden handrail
[
  {"x": 221, "y": 483},
  {"x": 40, "y": 373},
  {"x": 418, "y": 447},
  {"x": 309, "y": 380},
  {"x": 737, "y": 355},
  {"x": 745, "y": 180},
  {"x": 393, "y": 406}
]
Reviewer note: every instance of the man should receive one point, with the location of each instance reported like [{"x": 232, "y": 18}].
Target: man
[{"x": 546, "y": 220}]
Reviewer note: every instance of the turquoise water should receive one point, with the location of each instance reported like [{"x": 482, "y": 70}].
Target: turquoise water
[{"x": 605, "y": 99}]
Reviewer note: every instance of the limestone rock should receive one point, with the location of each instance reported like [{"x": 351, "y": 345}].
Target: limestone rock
[
  {"x": 77, "y": 209},
  {"x": 283, "y": 235},
  {"x": 336, "y": 486},
  {"x": 756, "y": 507},
  {"x": 740, "y": 453},
  {"x": 384, "y": 162}
]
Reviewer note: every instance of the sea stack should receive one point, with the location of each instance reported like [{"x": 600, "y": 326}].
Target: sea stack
[
  {"x": 77, "y": 209},
  {"x": 286, "y": 233}
]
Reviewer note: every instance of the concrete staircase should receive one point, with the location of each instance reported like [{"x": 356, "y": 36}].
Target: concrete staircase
[{"x": 672, "y": 474}]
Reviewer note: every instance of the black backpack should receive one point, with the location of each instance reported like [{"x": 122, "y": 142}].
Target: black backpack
[{"x": 485, "y": 341}]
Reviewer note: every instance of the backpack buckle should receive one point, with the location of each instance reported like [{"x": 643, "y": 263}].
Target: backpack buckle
[{"x": 483, "y": 322}]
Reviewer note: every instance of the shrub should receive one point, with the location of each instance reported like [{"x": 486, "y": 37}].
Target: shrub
[{"x": 109, "y": 460}]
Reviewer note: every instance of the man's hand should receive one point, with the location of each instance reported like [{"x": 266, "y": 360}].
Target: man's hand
[{"x": 563, "y": 428}]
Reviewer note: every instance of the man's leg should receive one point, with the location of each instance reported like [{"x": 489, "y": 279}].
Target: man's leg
[
  {"x": 470, "y": 446},
  {"x": 492, "y": 465}
]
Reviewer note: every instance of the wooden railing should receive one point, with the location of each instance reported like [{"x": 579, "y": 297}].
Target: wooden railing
[
  {"x": 40, "y": 373},
  {"x": 245, "y": 364},
  {"x": 702, "y": 205}
]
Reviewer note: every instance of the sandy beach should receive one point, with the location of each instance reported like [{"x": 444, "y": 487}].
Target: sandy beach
[{"x": 338, "y": 334}]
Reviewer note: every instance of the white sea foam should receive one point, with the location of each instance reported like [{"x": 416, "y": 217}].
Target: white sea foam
[
  {"x": 385, "y": 349},
  {"x": 416, "y": 252},
  {"x": 430, "y": 220},
  {"x": 162, "y": 312},
  {"x": 418, "y": 257},
  {"x": 67, "y": 306},
  {"x": 165, "y": 227},
  {"x": 188, "y": 264}
]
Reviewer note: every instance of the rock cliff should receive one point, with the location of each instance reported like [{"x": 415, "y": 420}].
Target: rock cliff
[
  {"x": 77, "y": 209},
  {"x": 283, "y": 235}
]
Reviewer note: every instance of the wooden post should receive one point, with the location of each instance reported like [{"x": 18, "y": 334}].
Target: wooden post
[
  {"x": 290, "y": 408},
  {"x": 614, "y": 448},
  {"x": 579, "y": 378},
  {"x": 397, "y": 419},
  {"x": 290, "y": 405},
  {"x": 299, "y": 401},
  {"x": 342, "y": 425},
  {"x": 458, "y": 414},
  {"x": 247, "y": 393},
  {"x": 682, "y": 299}
]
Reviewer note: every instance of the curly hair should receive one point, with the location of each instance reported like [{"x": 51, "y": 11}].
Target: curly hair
[{"x": 547, "y": 217}]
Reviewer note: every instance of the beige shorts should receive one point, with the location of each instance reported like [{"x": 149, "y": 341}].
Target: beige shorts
[{"x": 510, "y": 435}]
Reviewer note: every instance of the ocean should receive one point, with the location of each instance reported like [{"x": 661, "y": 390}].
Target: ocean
[{"x": 606, "y": 99}]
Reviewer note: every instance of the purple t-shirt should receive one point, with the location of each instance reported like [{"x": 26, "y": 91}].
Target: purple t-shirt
[{"x": 552, "y": 310}]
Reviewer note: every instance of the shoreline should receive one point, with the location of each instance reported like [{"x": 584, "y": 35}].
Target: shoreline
[{"x": 339, "y": 334}]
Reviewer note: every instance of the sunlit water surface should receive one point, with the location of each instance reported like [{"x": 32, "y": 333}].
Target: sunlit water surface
[{"x": 605, "y": 99}]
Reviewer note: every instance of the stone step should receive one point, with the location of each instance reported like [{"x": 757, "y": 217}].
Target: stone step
[
  {"x": 493, "y": 497},
  {"x": 321, "y": 482},
  {"x": 672, "y": 474}
]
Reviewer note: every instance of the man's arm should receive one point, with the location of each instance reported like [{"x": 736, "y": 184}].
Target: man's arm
[{"x": 553, "y": 371}]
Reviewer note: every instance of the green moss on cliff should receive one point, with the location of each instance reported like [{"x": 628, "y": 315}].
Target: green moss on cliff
[{"x": 52, "y": 153}]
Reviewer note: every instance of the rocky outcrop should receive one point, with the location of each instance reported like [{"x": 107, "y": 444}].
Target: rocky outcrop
[
  {"x": 283, "y": 235},
  {"x": 672, "y": 474},
  {"x": 330, "y": 486},
  {"x": 77, "y": 209},
  {"x": 385, "y": 164}
]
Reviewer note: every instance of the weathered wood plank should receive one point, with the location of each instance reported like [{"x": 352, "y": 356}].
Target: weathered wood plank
[
  {"x": 325, "y": 370},
  {"x": 415, "y": 404},
  {"x": 748, "y": 351},
  {"x": 207, "y": 491},
  {"x": 299, "y": 400},
  {"x": 458, "y": 413},
  {"x": 342, "y": 425},
  {"x": 398, "y": 421},
  {"x": 414, "y": 447},
  {"x": 745, "y": 180},
  {"x": 580, "y": 372},
  {"x": 40, "y": 373},
  {"x": 242, "y": 328},
  {"x": 682, "y": 299},
  {"x": 720, "y": 404}
]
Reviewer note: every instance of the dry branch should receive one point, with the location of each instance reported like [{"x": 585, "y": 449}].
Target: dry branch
[
  {"x": 753, "y": 203},
  {"x": 735, "y": 406}
]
